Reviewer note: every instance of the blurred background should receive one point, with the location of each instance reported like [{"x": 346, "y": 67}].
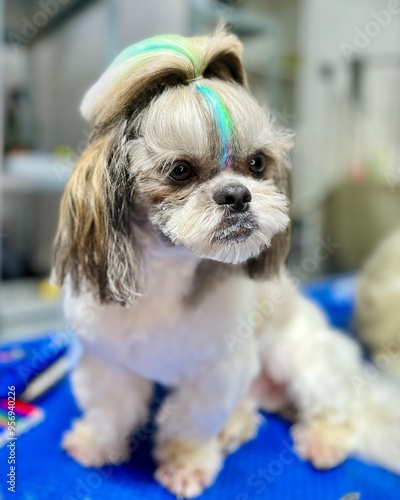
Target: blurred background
[{"x": 328, "y": 69}]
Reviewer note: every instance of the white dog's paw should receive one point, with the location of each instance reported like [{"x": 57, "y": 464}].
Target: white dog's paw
[
  {"x": 187, "y": 469},
  {"x": 90, "y": 447},
  {"x": 323, "y": 444},
  {"x": 241, "y": 427}
]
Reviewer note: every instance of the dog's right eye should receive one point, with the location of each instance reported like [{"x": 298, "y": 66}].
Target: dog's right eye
[{"x": 182, "y": 172}]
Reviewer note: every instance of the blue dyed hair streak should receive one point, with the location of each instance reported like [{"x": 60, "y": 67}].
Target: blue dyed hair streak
[{"x": 223, "y": 119}]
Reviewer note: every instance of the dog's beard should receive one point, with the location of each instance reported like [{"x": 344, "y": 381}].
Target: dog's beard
[
  {"x": 235, "y": 228},
  {"x": 214, "y": 232}
]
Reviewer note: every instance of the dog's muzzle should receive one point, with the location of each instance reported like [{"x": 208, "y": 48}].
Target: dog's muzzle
[{"x": 238, "y": 223}]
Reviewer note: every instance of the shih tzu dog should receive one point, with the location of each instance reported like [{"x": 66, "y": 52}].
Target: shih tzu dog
[{"x": 173, "y": 233}]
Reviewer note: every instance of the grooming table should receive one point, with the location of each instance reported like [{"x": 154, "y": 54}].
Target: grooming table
[{"x": 265, "y": 468}]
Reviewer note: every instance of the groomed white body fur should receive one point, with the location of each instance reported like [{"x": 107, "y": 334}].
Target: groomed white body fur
[{"x": 205, "y": 356}]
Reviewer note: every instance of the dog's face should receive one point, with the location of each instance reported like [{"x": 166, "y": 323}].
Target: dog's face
[
  {"x": 180, "y": 148},
  {"x": 211, "y": 192}
]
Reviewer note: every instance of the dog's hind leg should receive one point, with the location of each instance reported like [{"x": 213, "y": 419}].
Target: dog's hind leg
[
  {"x": 314, "y": 364},
  {"x": 242, "y": 426},
  {"x": 341, "y": 409}
]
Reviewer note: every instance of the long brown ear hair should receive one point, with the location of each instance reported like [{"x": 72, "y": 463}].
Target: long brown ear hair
[
  {"x": 94, "y": 244},
  {"x": 271, "y": 260}
]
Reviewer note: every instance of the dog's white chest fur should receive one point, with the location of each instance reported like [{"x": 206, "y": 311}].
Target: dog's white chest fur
[{"x": 163, "y": 337}]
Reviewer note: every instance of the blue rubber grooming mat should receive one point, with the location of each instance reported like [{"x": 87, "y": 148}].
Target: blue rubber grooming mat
[
  {"x": 336, "y": 297},
  {"x": 265, "y": 468},
  {"x": 21, "y": 362}
]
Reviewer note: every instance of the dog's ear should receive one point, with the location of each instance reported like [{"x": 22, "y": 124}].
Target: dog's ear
[
  {"x": 224, "y": 58},
  {"x": 95, "y": 244},
  {"x": 271, "y": 260}
]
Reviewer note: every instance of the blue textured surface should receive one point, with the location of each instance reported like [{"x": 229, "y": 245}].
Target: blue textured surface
[
  {"x": 262, "y": 469},
  {"x": 30, "y": 359},
  {"x": 336, "y": 296}
]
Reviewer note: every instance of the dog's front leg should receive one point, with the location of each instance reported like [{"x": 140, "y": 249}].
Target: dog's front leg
[
  {"x": 189, "y": 449},
  {"x": 114, "y": 402}
]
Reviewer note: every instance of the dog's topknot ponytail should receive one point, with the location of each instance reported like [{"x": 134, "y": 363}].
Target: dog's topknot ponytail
[{"x": 143, "y": 70}]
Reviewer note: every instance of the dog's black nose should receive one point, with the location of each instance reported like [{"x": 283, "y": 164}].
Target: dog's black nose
[{"x": 236, "y": 196}]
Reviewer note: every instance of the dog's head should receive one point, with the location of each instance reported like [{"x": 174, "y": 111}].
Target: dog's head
[{"x": 179, "y": 148}]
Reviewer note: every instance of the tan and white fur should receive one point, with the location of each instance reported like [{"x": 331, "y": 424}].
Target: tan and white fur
[
  {"x": 378, "y": 304},
  {"x": 166, "y": 283}
]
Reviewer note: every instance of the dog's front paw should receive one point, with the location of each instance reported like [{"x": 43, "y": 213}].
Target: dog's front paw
[
  {"x": 91, "y": 448},
  {"x": 323, "y": 444},
  {"x": 187, "y": 469}
]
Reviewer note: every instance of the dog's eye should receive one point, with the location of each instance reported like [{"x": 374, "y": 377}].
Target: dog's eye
[
  {"x": 258, "y": 163},
  {"x": 182, "y": 172}
]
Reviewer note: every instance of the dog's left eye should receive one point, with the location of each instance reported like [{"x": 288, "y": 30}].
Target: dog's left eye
[
  {"x": 182, "y": 172},
  {"x": 258, "y": 163}
]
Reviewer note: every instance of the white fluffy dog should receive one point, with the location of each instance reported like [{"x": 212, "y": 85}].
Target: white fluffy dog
[{"x": 173, "y": 232}]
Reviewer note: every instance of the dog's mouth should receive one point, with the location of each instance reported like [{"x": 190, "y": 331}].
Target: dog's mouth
[{"x": 235, "y": 228}]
